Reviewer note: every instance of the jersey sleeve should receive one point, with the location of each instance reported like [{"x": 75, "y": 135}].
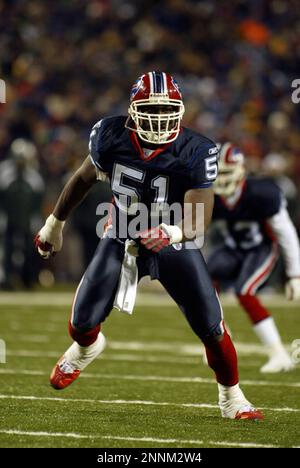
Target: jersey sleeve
[
  {"x": 99, "y": 144},
  {"x": 269, "y": 199},
  {"x": 203, "y": 166},
  {"x": 286, "y": 234}
]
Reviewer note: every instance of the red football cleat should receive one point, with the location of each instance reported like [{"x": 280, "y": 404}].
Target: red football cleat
[
  {"x": 60, "y": 379},
  {"x": 250, "y": 413}
]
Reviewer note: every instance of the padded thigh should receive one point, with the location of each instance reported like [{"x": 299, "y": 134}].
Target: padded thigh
[
  {"x": 184, "y": 275},
  {"x": 95, "y": 294},
  {"x": 224, "y": 264}
]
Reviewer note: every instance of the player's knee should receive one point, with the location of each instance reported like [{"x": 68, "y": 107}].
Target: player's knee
[
  {"x": 84, "y": 336},
  {"x": 210, "y": 340},
  {"x": 214, "y": 335}
]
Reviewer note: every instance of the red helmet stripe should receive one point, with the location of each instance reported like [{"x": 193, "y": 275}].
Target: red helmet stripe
[{"x": 227, "y": 158}]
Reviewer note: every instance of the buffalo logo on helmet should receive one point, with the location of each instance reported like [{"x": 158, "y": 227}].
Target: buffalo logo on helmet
[{"x": 136, "y": 87}]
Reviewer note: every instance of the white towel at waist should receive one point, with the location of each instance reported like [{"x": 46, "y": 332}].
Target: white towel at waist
[{"x": 127, "y": 287}]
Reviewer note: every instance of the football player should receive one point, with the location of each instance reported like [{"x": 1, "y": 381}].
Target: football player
[
  {"x": 151, "y": 159},
  {"x": 253, "y": 221}
]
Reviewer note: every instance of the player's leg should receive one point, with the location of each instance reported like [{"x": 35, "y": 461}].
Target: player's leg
[
  {"x": 223, "y": 264},
  {"x": 184, "y": 275},
  {"x": 92, "y": 303},
  {"x": 257, "y": 267}
]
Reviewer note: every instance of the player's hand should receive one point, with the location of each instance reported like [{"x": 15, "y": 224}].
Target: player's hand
[
  {"x": 159, "y": 237},
  {"x": 292, "y": 289},
  {"x": 49, "y": 239}
]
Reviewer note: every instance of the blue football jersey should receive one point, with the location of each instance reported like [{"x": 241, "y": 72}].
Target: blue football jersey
[
  {"x": 244, "y": 225},
  {"x": 156, "y": 178}
]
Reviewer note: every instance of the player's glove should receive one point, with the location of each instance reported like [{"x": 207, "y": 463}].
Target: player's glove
[
  {"x": 292, "y": 289},
  {"x": 49, "y": 239},
  {"x": 161, "y": 236}
]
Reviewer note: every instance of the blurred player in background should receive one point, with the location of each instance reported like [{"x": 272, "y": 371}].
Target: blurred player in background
[
  {"x": 149, "y": 158},
  {"x": 253, "y": 221},
  {"x": 21, "y": 193}
]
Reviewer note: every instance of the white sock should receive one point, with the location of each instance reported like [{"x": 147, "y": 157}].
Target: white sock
[
  {"x": 268, "y": 334},
  {"x": 80, "y": 356},
  {"x": 232, "y": 400},
  {"x": 230, "y": 393}
]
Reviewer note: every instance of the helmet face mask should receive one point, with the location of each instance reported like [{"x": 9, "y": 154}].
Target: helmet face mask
[
  {"x": 154, "y": 125},
  {"x": 156, "y": 116},
  {"x": 229, "y": 181},
  {"x": 231, "y": 171}
]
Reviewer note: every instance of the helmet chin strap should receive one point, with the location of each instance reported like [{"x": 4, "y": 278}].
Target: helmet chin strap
[
  {"x": 151, "y": 137},
  {"x": 154, "y": 138},
  {"x": 231, "y": 199}
]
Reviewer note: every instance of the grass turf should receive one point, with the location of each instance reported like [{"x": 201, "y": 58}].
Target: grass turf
[{"x": 112, "y": 404}]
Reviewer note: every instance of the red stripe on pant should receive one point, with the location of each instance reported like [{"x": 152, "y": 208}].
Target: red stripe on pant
[
  {"x": 84, "y": 338},
  {"x": 263, "y": 276},
  {"x": 222, "y": 358}
]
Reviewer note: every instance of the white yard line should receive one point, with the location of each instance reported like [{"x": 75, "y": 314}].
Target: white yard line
[
  {"x": 133, "y": 402},
  {"x": 181, "y": 348},
  {"x": 119, "y": 357},
  {"x": 4, "y": 371},
  {"x": 243, "y": 444},
  {"x": 134, "y": 439},
  {"x": 157, "y": 298},
  {"x": 32, "y": 354},
  {"x": 126, "y": 358},
  {"x": 46, "y": 434},
  {"x": 176, "y": 348},
  {"x": 157, "y": 378},
  {"x": 37, "y": 338},
  {"x": 154, "y": 378}
]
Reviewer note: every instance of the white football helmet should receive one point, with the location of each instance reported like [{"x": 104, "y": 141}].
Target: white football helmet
[
  {"x": 23, "y": 150},
  {"x": 231, "y": 170}
]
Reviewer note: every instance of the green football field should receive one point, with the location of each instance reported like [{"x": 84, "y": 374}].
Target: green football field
[{"x": 150, "y": 388}]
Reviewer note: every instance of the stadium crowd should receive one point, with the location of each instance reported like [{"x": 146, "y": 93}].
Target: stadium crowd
[{"x": 67, "y": 64}]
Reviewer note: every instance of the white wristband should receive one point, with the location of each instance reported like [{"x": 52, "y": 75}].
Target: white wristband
[
  {"x": 54, "y": 224},
  {"x": 173, "y": 232}
]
